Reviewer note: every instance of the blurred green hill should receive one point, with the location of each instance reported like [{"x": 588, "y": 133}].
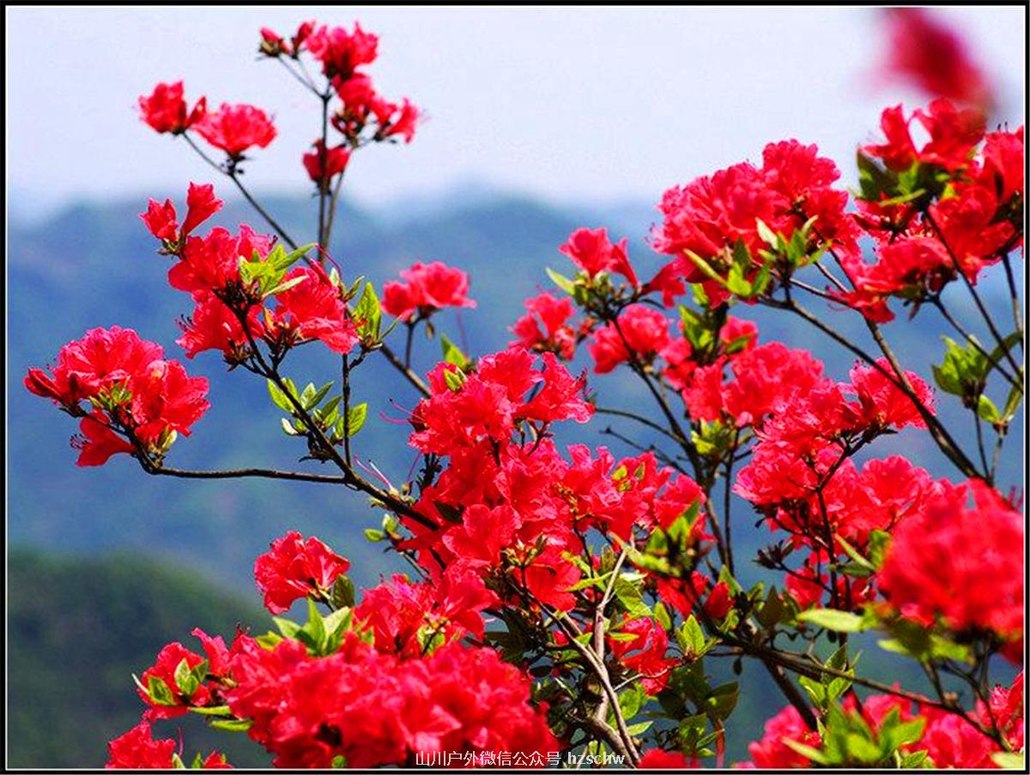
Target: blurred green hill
[{"x": 79, "y": 629}]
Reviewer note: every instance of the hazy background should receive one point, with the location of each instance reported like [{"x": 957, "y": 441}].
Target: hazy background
[
  {"x": 574, "y": 105},
  {"x": 539, "y": 121}
]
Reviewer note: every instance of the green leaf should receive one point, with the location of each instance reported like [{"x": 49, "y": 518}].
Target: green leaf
[
  {"x": 453, "y": 354},
  {"x": 914, "y": 761},
  {"x": 1012, "y": 403},
  {"x": 231, "y": 725},
  {"x": 830, "y": 619},
  {"x": 454, "y": 380},
  {"x": 279, "y": 398},
  {"x": 316, "y": 399},
  {"x": 368, "y": 314},
  {"x": 373, "y": 535},
  {"x": 661, "y": 615},
  {"x": 772, "y": 610},
  {"x": 286, "y": 260},
  {"x": 854, "y": 554},
  {"x": 184, "y": 678},
  {"x": 879, "y": 540},
  {"x": 691, "y": 637},
  {"x": 159, "y": 692},
  {"x": 286, "y": 627},
  {"x": 767, "y": 234},
  {"x": 964, "y": 369},
  {"x": 356, "y": 417},
  {"x": 343, "y": 592},
  {"x": 807, "y": 751},
  {"x": 723, "y": 700},
  {"x": 1009, "y": 761},
  {"x": 211, "y": 710},
  {"x": 561, "y": 281},
  {"x": 284, "y": 286},
  {"x": 987, "y": 411},
  {"x": 632, "y": 700},
  {"x": 629, "y": 595}
]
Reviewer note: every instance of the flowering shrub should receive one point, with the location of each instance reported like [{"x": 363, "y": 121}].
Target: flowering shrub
[{"x": 565, "y": 600}]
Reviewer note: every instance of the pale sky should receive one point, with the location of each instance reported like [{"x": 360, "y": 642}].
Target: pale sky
[{"x": 568, "y": 104}]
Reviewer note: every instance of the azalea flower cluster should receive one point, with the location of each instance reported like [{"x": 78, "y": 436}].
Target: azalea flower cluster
[
  {"x": 130, "y": 398},
  {"x": 233, "y": 129},
  {"x": 227, "y": 275},
  {"x": 950, "y": 206},
  {"x": 378, "y": 696},
  {"x": 363, "y": 115},
  {"x": 509, "y": 506},
  {"x": 948, "y": 741}
]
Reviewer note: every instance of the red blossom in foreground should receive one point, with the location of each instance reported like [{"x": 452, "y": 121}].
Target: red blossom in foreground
[
  {"x": 162, "y": 691},
  {"x": 945, "y": 549},
  {"x": 211, "y": 265},
  {"x": 161, "y": 219},
  {"x": 883, "y": 402},
  {"x": 135, "y": 392},
  {"x": 295, "y": 568},
  {"x": 593, "y": 252},
  {"x": 771, "y": 752},
  {"x": 556, "y": 336},
  {"x": 426, "y": 288},
  {"x": 323, "y": 164},
  {"x": 165, "y": 110},
  {"x": 644, "y": 652},
  {"x": 376, "y": 710},
  {"x": 657, "y": 759},
  {"x": 237, "y": 128},
  {"x": 638, "y": 334},
  {"x": 405, "y": 617},
  {"x": 341, "y": 52},
  {"x": 138, "y": 750},
  {"x": 314, "y": 309},
  {"x": 933, "y": 56},
  {"x": 954, "y": 133}
]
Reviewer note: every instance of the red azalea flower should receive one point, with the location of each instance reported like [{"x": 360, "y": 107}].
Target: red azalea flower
[
  {"x": 934, "y": 566},
  {"x": 323, "y": 165},
  {"x": 211, "y": 265},
  {"x": 176, "y": 699},
  {"x": 641, "y": 333},
  {"x": 138, "y": 750},
  {"x": 1004, "y": 164},
  {"x": 657, "y": 759},
  {"x": 213, "y": 326},
  {"x": 314, "y": 309},
  {"x": 426, "y": 288},
  {"x": 295, "y": 568},
  {"x": 561, "y": 397},
  {"x": 341, "y": 52},
  {"x": 883, "y": 403},
  {"x": 553, "y": 313},
  {"x": 934, "y": 57},
  {"x": 103, "y": 358},
  {"x": 236, "y": 128},
  {"x": 165, "y": 110},
  {"x": 645, "y": 652},
  {"x": 593, "y": 252},
  {"x": 98, "y": 442},
  {"x": 772, "y": 753}
]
